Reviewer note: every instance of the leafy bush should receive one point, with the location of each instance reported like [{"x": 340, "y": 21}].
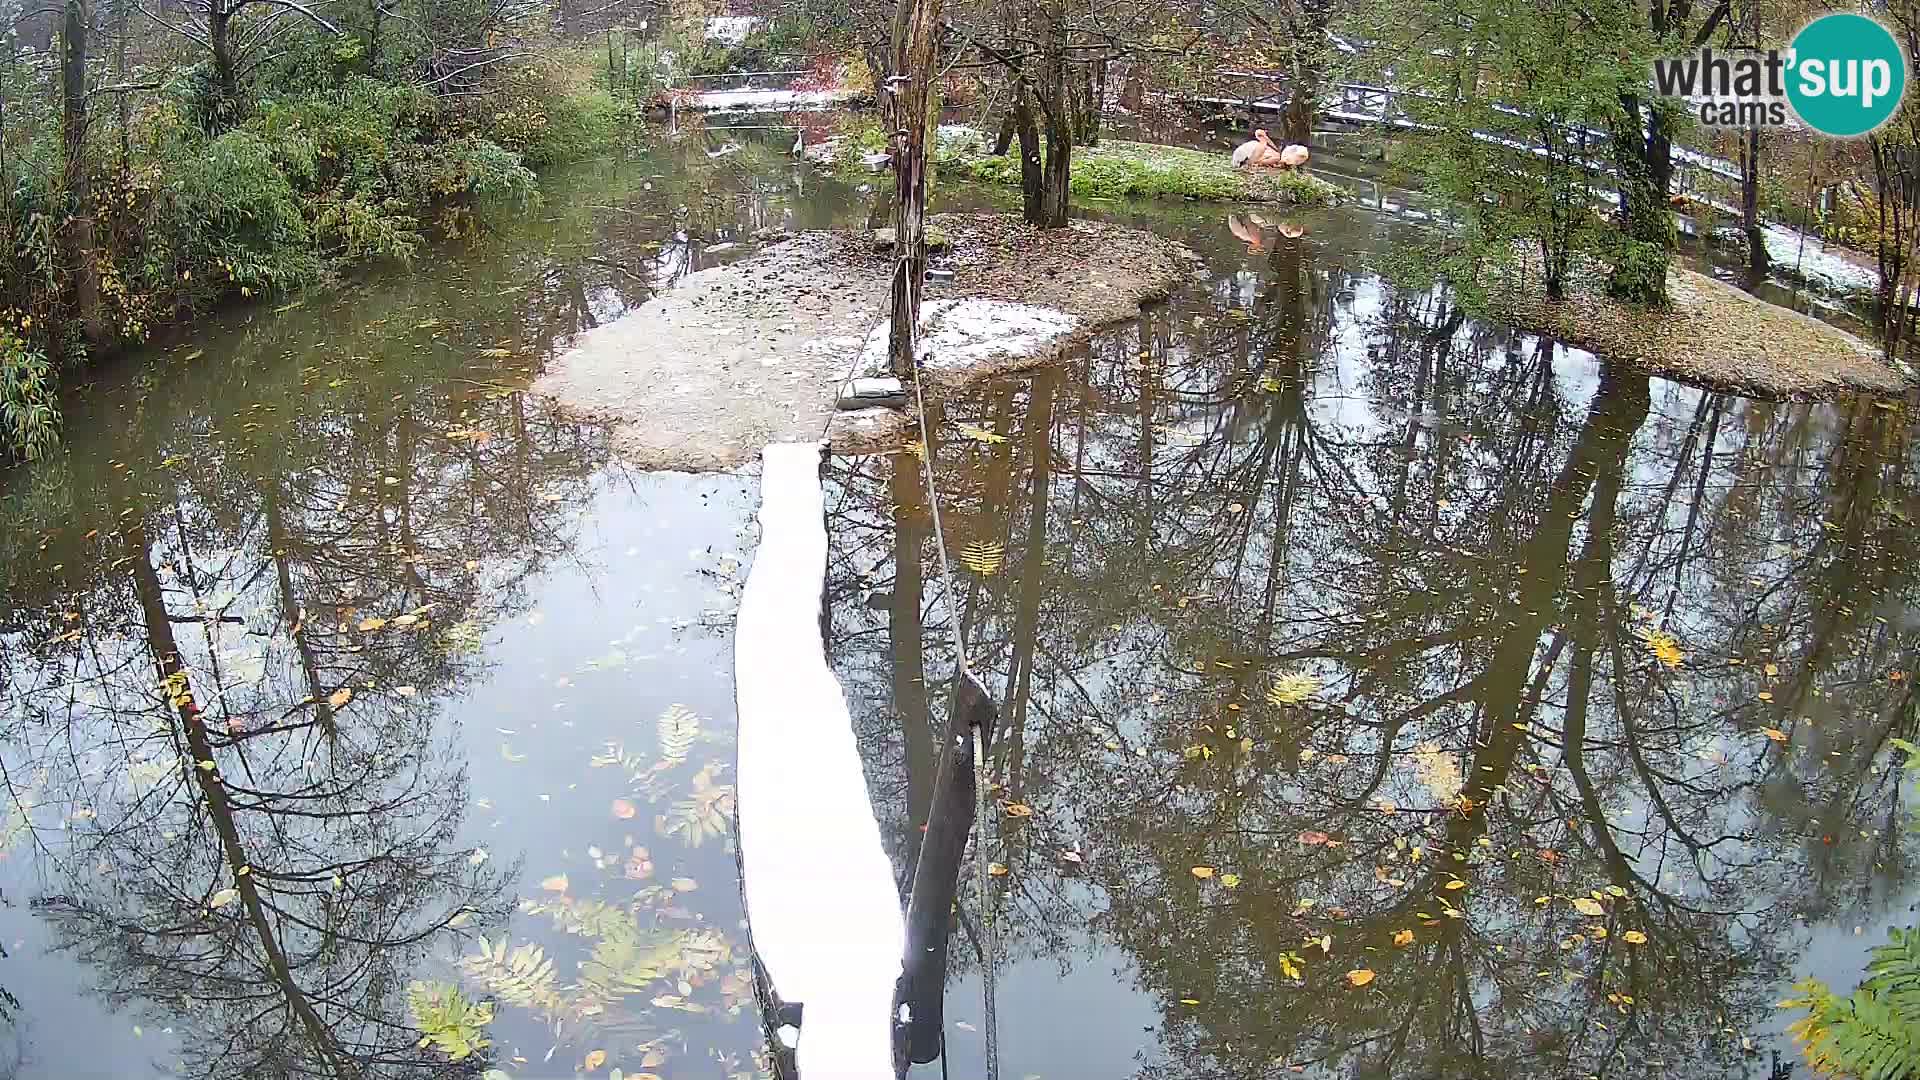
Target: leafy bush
[
  {"x": 1873, "y": 1034},
  {"x": 29, "y": 406}
]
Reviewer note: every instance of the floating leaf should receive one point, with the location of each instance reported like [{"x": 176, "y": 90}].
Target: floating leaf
[
  {"x": 1231, "y": 881},
  {"x": 595, "y": 1059},
  {"x": 1586, "y": 905},
  {"x": 1203, "y": 872},
  {"x": 556, "y": 883},
  {"x": 983, "y": 556},
  {"x": 684, "y": 884},
  {"x": 1666, "y": 648},
  {"x": 372, "y": 624},
  {"x": 982, "y": 435},
  {"x": 1765, "y": 696},
  {"x": 1015, "y": 809},
  {"x": 1456, "y": 883},
  {"x": 1634, "y": 937},
  {"x": 1774, "y": 733},
  {"x": 447, "y": 1020},
  {"x": 1403, "y": 937},
  {"x": 1360, "y": 976},
  {"x": 1293, "y": 689},
  {"x": 222, "y": 898},
  {"x": 678, "y": 727},
  {"x": 1074, "y": 857},
  {"x": 997, "y": 869},
  {"x": 340, "y": 697},
  {"x": 624, "y": 809},
  {"x": 1314, "y": 838}
]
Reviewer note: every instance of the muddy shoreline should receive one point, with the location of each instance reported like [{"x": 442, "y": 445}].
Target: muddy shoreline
[{"x": 734, "y": 357}]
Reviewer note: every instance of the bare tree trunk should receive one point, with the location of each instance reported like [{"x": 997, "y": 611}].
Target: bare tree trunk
[
  {"x": 123, "y": 27},
  {"x": 915, "y": 63},
  {"x": 1030, "y": 179},
  {"x": 79, "y": 254},
  {"x": 1056, "y": 171},
  {"x": 1750, "y": 208},
  {"x": 226, "y": 72}
]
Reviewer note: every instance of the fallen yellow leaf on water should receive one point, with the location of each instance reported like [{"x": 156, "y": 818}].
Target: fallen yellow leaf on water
[
  {"x": 1015, "y": 809},
  {"x": 1634, "y": 937},
  {"x": 340, "y": 697},
  {"x": 684, "y": 884},
  {"x": 654, "y": 1058},
  {"x": 979, "y": 434},
  {"x": 1189, "y": 1001},
  {"x": 1773, "y": 669},
  {"x": 997, "y": 869},
  {"x": 1293, "y": 689},
  {"x": 223, "y": 898},
  {"x": 1203, "y": 872},
  {"x": 1586, "y": 905},
  {"x": 372, "y": 624},
  {"x": 1360, "y": 976},
  {"x": 1774, "y": 733},
  {"x": 556, "y": 883},
  {"x": 1231, "y": 881},
  {"x": 1403, "y": 937},
  {"x": 1764, "y": 696},
  {"x": 1665, "y": 647},
  {"x": 595, "y": 1059},
  {"x": 1456, "y": 883},
  {"x": 623, "y": 809}
]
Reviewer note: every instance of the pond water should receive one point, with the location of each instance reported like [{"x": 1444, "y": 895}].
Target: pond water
[{"x": 1332, "y": 633}]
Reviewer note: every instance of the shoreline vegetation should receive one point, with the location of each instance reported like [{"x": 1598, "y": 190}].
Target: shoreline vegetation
[{"x": 1111, "y": 169}]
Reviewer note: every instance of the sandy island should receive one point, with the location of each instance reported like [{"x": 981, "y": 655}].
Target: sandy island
[
  {"x": 1712, "y": 335},
  {"x": 735, "y": 357}
]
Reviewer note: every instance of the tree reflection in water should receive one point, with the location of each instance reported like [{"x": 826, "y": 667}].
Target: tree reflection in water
[
  {"x": 228, "y": 723},
  {"x": 1557, "y": 853}
]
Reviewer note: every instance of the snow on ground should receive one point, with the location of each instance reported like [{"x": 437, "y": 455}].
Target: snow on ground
[
  {"x": 770, "y": 100},
  {"x": 730, "y": 29},
  {"x": 1808, "y": 256},
  {"x": 962, "y": 334},
  {"x": 821, "y": 903}
]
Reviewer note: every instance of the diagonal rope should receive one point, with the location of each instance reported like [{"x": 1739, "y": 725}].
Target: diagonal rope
[{"x": 962, "y": 670}]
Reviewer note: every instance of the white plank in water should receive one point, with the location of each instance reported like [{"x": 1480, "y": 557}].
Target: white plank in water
[{"x": 821, "y": 902}]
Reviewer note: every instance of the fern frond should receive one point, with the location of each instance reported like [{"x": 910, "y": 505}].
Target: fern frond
[
  {"x": 446, "y": 1019},
  {"x": 679, "y": 726},
  {"x": 1875, "y": 1033}
]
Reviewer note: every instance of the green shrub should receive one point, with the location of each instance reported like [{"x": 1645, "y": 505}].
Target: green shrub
[
  {"x": 29, "y": 401},
  {"x": 1874, "y": 1033}
]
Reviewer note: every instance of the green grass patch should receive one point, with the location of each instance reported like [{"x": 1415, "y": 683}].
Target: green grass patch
[{"x": 1120, "y": 170}]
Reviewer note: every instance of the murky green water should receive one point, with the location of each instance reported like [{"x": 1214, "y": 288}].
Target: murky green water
[{"x": 334, "y": 663}]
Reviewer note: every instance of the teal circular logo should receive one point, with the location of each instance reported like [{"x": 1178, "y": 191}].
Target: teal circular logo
[{"x": 1846, "y": 76}]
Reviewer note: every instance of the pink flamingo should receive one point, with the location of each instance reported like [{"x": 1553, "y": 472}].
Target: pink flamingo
[{"x": 1257, "y": 151}]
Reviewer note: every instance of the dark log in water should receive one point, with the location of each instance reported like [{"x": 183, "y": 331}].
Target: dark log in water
[{"x": 936, "y": 880}]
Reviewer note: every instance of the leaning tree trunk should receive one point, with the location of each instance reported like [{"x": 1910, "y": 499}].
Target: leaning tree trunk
[{"x": 916, "y": 40}]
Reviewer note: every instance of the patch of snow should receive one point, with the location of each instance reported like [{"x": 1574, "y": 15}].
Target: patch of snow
[
  {"x": 958, "y": 334},
  {"x": 730, "y": 29},
  {"x": 1808, "y": 256},
  {"x": 821, "y": 903},
  {"x": 770, "y": 100}
]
